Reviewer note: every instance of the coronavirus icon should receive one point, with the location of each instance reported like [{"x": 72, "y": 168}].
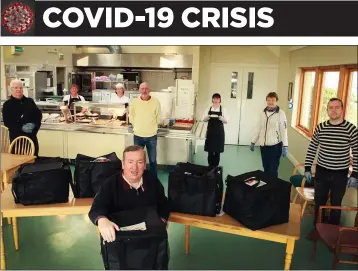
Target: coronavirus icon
[{"x": 17, "y": 18}]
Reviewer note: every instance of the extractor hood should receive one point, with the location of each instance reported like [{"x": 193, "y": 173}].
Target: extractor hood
[{"x": 133, "y": 61}]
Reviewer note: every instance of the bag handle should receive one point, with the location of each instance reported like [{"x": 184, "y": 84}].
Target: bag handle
[
  {"x": 14, "y": 185},
  {"x": 73, "y": 187}
]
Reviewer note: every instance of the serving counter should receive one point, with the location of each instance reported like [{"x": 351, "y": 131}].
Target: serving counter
[{"x": 69, "y": 139}]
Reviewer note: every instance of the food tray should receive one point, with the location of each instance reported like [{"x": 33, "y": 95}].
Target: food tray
[{"x": 182, "y": 126}]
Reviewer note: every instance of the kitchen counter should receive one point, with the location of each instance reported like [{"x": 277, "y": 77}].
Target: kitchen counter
[
  {"x": 123, "y": 130},
  {"x": 67, "y": 140}
]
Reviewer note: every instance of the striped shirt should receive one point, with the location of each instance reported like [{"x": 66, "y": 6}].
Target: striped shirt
[{"x": 335, "y": 143}]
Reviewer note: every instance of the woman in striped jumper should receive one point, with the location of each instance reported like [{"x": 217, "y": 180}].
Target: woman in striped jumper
[
  {"x": 271, "y": 134},
  {"x": 335, "y": 138}
]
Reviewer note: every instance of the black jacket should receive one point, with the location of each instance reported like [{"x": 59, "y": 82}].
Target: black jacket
[
  {"x": 17, "y": 112},
  {"x": 116, "y": 195}
]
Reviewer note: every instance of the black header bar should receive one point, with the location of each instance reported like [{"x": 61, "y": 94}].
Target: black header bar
[{"x": 185, "y": 18}]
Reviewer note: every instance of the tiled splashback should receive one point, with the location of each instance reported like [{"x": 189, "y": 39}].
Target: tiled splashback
[{"x": 158, "y": 80}]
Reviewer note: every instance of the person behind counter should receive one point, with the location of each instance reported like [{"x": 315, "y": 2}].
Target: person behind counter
[
  {"x": 73, "y": 98},
  {"x": 144, "y": 114},
  {"x": 132, "y": 188},
  {"x": 21, "y": 115},
  {"x": 119, "y": 97},
  {"x": 216, "y": 117}
]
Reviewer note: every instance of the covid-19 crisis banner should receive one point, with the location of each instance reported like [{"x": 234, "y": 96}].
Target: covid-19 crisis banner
[{"x": 179, "y": 18}]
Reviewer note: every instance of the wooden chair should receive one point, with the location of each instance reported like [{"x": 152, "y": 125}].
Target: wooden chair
[
  {"x": 338, "y": 239},
  {"x": 5, "y": 139},
  {"x": 4, "y": 147},
  {"x": 22, "y": 145},
  {"x": 303, "y": 182},
  {"x": 306, "y": 194}
]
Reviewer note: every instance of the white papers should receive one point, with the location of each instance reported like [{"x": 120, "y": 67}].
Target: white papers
[
  {"x": 261, "y": 184},
  {"x": 253, "y": 181},
  {"x": 136, "y": 227}
]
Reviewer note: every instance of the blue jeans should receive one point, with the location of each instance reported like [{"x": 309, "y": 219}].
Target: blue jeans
[
  {"x": 151, "y": 144},
  {"x": 271, "y": 158}
]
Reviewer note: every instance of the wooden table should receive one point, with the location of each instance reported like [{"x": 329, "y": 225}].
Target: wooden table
[
  {"x": 10, "y": 209},
  {"x": 286, "y": 233},
  {"x": 306, "y": 195},
  {"x": 11, "y": 162}
]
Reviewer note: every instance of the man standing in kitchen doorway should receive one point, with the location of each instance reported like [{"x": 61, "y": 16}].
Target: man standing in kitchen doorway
[{"x": 144, "y": 114}]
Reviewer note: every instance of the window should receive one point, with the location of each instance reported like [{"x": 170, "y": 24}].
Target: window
[
  {"x": 351, "y": 112},
  {"x": 317, "y": 86},
  {"x": 233, "y": 84},
  {"x": 329, "y": 89},
  {"x": 307, "y": 99}
]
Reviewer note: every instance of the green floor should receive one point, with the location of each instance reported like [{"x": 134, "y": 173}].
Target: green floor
[{"x": 70, "y": 242}]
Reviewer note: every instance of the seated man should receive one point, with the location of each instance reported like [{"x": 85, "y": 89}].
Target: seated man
[{"x": 133, "y": 188}]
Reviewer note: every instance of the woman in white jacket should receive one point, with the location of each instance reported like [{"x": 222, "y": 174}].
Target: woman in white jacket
[{"x": 272, "y": 135}]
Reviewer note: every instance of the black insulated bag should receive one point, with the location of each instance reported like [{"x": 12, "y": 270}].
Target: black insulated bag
[
  {"x": 42, "y": 182},
  {"x": 137, "y": 249},
  {"x": 257, "y": 200},
  {"x": 91, "y": 173},
  {"x": 195, "y": 189}
]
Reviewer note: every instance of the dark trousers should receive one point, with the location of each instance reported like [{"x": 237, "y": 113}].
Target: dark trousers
[
  {"x": 334, "y": 181},
  {"x": 270, "y": 156},
  {"x": 213, "y": 159},
  {"x": 151, "y": 144}
]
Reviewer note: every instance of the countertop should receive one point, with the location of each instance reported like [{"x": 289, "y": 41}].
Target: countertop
[{"x": 193, "y": 134}]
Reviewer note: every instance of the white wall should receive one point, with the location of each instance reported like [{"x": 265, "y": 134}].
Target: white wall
[
  {"x": 309, "y": 56},
  {"x": 40, "y": 55},
  {"x": 241, "y": 55}
]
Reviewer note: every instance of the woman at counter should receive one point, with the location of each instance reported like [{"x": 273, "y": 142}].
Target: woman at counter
[
  {"x": 21, "y": 115},
  {"x": 73, "y": 97},
  {"x": 216, "y": 116},
  {"x": 119, "y": 97}
]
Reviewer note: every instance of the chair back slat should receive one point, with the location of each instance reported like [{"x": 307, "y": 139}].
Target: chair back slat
[
  {"x": 5, "y": 139},
  {"x": 22, "y": 145}
]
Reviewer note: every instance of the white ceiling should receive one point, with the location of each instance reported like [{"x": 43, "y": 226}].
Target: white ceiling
[{"x": 276, "y": 49}]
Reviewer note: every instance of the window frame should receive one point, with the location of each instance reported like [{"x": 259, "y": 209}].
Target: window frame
[
  {"x": 346, "y": 82},
  {"x": 342, "y": 92}
]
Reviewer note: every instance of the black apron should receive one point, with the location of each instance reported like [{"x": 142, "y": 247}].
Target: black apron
[
  {"x": 71, "y": 101},
  {"x": 215, "y": 134}
]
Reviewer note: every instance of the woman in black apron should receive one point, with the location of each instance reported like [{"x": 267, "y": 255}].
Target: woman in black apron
[
  {"x": 73, "y": 98},
  {"x": 215, "y": 134}
]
